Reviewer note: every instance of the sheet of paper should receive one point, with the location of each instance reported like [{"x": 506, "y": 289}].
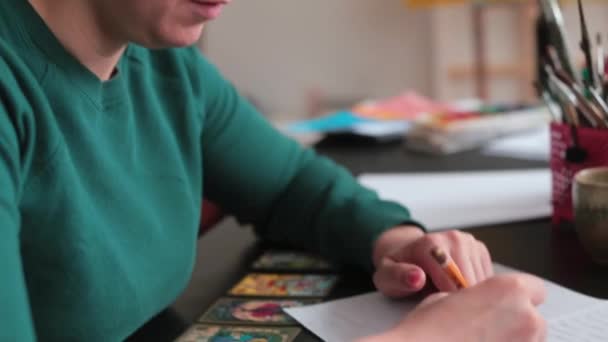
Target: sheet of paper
[
  {"x": 534, "y": 145},
  {"x": 571, "y": 316},
  {"x": 467, "y": 199},
  {"x": 589, "y": 325}
]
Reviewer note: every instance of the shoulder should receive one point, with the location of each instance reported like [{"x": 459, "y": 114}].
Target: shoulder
[
  {"x": 21, "y": 100},
  {"x": 10, "y": 63},
  {"x": 16, "y": 80}
]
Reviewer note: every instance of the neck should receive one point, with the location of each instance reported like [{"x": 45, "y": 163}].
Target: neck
[{"x": 79, "y": 29}]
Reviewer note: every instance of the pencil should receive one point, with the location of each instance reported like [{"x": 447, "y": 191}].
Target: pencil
[{"x": 450, "y": 267}]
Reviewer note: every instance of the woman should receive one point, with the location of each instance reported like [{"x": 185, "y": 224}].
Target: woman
[{"x": 111, "y": 128}]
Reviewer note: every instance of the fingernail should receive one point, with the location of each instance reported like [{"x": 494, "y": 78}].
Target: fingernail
[{"x": 413, "y": 278}]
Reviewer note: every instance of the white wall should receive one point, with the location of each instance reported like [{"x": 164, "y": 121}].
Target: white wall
[
  {"x": 453, "y": 47},
  {"x": 453, "y": 44},
  {"x": 276, "y": 50}
]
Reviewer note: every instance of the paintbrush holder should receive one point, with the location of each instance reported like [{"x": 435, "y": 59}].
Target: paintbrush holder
[{"x": 572, "y": 149}]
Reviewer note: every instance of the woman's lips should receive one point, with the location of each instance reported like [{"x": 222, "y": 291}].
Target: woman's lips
[{"x": 208, "y": 9}]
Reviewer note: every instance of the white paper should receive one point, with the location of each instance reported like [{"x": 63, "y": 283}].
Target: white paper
[
  {"x": 467, "y": 199},
  {"x": 589, "y": 325},
  {"x": 571, "y": 316},
  {"x": 348, "y": 319},
  {"x": 534, "y": 145}
]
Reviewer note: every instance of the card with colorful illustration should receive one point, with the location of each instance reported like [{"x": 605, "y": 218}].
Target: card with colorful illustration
[
  {"x": 285, "y": 285},
  {"x": 290, "y": 261},
  {"x": 219, "y": 333},
  {"x": 253, "y": 311}
]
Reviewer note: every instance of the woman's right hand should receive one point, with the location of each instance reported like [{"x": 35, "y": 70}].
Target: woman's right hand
[{"x": 500, "y": 309}]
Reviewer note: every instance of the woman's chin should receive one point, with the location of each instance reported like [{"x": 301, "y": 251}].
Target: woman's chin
[{"x": 175, "y": 38}]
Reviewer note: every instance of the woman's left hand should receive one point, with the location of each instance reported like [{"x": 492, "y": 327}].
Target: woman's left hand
[{"x": 403, "y": 260}]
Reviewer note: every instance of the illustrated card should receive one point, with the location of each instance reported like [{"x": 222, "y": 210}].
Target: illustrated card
[
  {"x": 253, "y": 311},
  {"x": 219, "y": 333},
  {"x": 285, "y": 285},
  {"x": 290, "y": 261}
]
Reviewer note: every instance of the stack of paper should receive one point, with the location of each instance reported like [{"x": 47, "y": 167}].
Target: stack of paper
[
  {"x": 380, "y": 120},
  {"x": 467, "y": 199},
  {"x": 346, "y": 122},
  {"x": 406, "y": 106},
  {"x": 571, "y": 316},
  {"x": 455, "y": 132}
]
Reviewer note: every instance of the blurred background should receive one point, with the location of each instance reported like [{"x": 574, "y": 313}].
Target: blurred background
[{"x": 299, "y": 59}]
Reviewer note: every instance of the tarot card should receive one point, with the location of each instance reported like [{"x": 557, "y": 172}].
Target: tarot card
[
  {"x": 276, "y": 260},
  {"x": 284, "y": 285},
  {"x": 253, "y": 311},
  {"x": 219, "y": 333}
]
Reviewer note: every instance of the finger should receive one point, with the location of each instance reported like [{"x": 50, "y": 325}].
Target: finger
[
  {"x": 420, "y": 254},
  {"x": 478, "y": 263},
  {"x": 486, "y": 260},
  {"x": 462, "y": 253},
  {"x": 464, "y": 260},
  {"x": 535, "y": 288},
  {"x": 434, "y": 298},
  {"x": 543, "y": 332},
  {"x": 397, "y": 279},
  {"x": 532, "y": 325}
]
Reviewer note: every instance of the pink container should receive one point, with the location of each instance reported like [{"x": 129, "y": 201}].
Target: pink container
[{"x": 567, "y": 160}]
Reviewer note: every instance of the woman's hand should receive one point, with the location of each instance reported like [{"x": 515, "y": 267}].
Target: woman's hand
[
  {"x": 500, "y": 309},
  {"x": 403, "y": 260}
]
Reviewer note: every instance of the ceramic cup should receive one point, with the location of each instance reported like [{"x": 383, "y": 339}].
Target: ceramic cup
[{"x": 590, "y": 201}]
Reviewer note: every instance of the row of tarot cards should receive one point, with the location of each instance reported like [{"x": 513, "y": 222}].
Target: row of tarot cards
[{"x": 254, "y": 310}]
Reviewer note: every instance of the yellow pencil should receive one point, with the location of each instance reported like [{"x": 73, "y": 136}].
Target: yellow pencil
[{"x": 450, "y": 267}]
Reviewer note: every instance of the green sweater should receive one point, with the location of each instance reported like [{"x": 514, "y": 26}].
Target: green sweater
[{"x": 101, "y": 184}]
